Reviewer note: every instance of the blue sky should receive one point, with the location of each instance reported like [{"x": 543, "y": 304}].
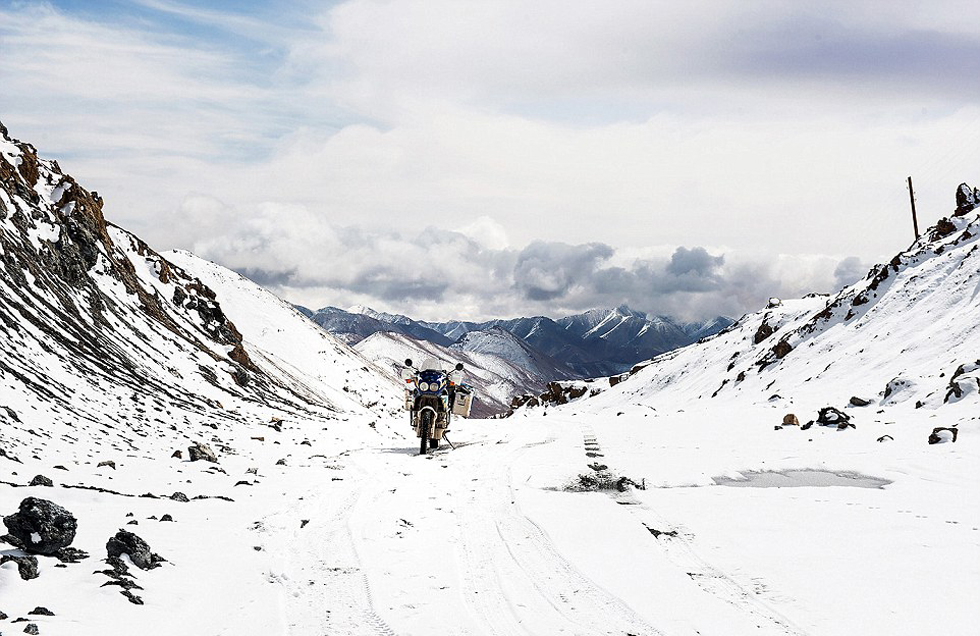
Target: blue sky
[{"x": 559, "y": 153}]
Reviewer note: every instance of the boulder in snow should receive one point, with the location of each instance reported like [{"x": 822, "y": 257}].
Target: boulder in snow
[
  {"x": 41, "y": 526},
  {"x": 199, "y": 451},
  {"x": 942, "y": 434},
  {"x": 830, "y": 416},
  {"x": 139, "y": 552},
  {"x": 858, "y": 401},
  {"x": 41, "y": 480}
]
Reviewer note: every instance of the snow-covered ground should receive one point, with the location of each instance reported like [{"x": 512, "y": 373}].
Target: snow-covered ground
[{"x": 486, "y": 539}]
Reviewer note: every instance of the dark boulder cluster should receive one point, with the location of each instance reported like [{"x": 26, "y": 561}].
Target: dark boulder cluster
[{"x": 199, "y": 451}]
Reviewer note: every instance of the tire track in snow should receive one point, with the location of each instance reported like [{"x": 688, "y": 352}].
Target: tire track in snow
[
  {"x": 516, "y": 581},
  {"x": 681, "y": 553},
  {"x": 325, "y": 588}
]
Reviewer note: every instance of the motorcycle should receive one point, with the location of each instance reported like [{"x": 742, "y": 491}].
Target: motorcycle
[{"x": 432, "y": 397}]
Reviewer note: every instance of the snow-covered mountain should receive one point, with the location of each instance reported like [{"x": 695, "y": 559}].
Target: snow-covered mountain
[
  {"x": 358, "y": 323},
  {"x": 596, "y": 343},
  {"x": 108, "y": 341}
]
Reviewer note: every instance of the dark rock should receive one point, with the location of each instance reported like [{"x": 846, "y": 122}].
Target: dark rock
[
  {"x": 60, "y": 467},
  {"x": 967, "y": 199},
  {"x": 201, "y": 452},
  {"x": 126, "y": 584},
  {"x": 179, "y": 496},
  {"x": 281, "y": 462},
  {"x": 125, "y": 542},
  {"x": 942, "y": 434},
  {"x": 42, "y": 526},
  {"x": 135, "y": 600},
  {"x": 166, "y": 518},
  {"x": 830, "y": 416},
  {"x": 764, "y": 331},
  {"x": 71, "y": 555},
  {"x": 806, "y": 426},
  {"x": 26, "y": 565},
  {"x": 12, "y": 540},
  {"x": 791, "y": 420},
  {"x": 243, "y": 483},
  {"x": 3, "y": 616},
  {"x": 782, "y": 349},
  {"x": 40, "y": 611},
  {"x": 303, "y": 522},
  {"x": 886, "y": 438},
  {"x": 41, "y": 480},
  {"x": 856, "y": 401},
  {"x": 111, "y": 464},
  {"x": 944, "y": 227},
  {"x": 177, "y": 454},
  {"x": 134, "y": 522},
  {"x": 32, "y": 629}
]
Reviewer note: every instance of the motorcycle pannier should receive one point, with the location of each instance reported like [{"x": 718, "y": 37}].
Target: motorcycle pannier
[
  {"x": 409, "y": 400},
  {"x": 462, "y": 403}
]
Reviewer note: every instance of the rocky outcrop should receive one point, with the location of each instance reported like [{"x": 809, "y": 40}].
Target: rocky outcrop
[
  {"x": 967, "y": 199},
  {"x": 41, "y": 526}
]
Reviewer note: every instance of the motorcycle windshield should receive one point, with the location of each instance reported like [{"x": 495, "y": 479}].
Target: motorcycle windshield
[{"x": 432, "y": 364}]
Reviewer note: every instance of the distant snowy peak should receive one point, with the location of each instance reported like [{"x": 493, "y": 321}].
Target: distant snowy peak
[
  {"x": 394, "y": 319},
  {"x": 499, "y": 342}
]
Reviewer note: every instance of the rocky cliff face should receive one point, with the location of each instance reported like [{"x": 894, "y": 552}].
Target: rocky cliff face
[{"x": 100, "y": 331}]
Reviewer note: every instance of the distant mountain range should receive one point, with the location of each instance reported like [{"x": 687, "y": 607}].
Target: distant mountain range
[{"x": 599, "y": 342}]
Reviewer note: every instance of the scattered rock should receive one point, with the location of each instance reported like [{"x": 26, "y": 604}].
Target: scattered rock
[
  {"x": 259, "y": 439},
  {"x": 201, "y": 452},
  {"x": 71, "y": 555},
  {"x": 31, "y": 629},
  {"x": 179, "y": 496},
  {"x": 40, "y": 611},
  {"x": 166, "y": 518},
  {"x": 830, "y": 416},
  {"x": 305, "y": 442},
  {"x": 26, "y": 565},
  {"x": 3, "y": 616},
  {"x": 125, "y": 542},
  {"x": 791, "y": 420},
  {"x": 111, "y": 464},
  {"x": 943, "y": 434},
  {"x": 134, "y": 522},
  {"x": 303, "y": 522},
  {"x": 177, "y": 455},
  {"x": 41, "y": 480},
  {"x": 42, "y": 526},
  {"x": 135, "y": 600},
  {"x": 886, "y": 438},
  {"x": 856, "y": 401},
  {"x": 281, "y": 462},
  {"x": 243, "y": 483},
  {"x": 60, "y": 467},
  {"x": 807, "y": 426}
]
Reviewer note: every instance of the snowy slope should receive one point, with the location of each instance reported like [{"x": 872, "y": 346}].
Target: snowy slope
[{"x": 898, "y": 336}]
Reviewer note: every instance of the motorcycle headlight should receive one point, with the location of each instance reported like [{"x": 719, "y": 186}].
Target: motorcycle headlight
[{"x": 423, "y": 386}]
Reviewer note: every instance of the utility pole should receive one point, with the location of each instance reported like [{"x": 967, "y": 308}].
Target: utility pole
[{"x": 915, "y": 220}]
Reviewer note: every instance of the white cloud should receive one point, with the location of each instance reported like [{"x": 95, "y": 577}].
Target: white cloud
[{"x": 772, "y": 130}]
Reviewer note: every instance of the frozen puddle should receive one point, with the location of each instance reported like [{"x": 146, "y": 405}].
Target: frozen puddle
[{"x": 796, "y": 478}]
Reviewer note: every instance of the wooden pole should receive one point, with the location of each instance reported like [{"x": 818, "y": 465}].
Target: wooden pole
[{"x": 915, "y": 220}]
